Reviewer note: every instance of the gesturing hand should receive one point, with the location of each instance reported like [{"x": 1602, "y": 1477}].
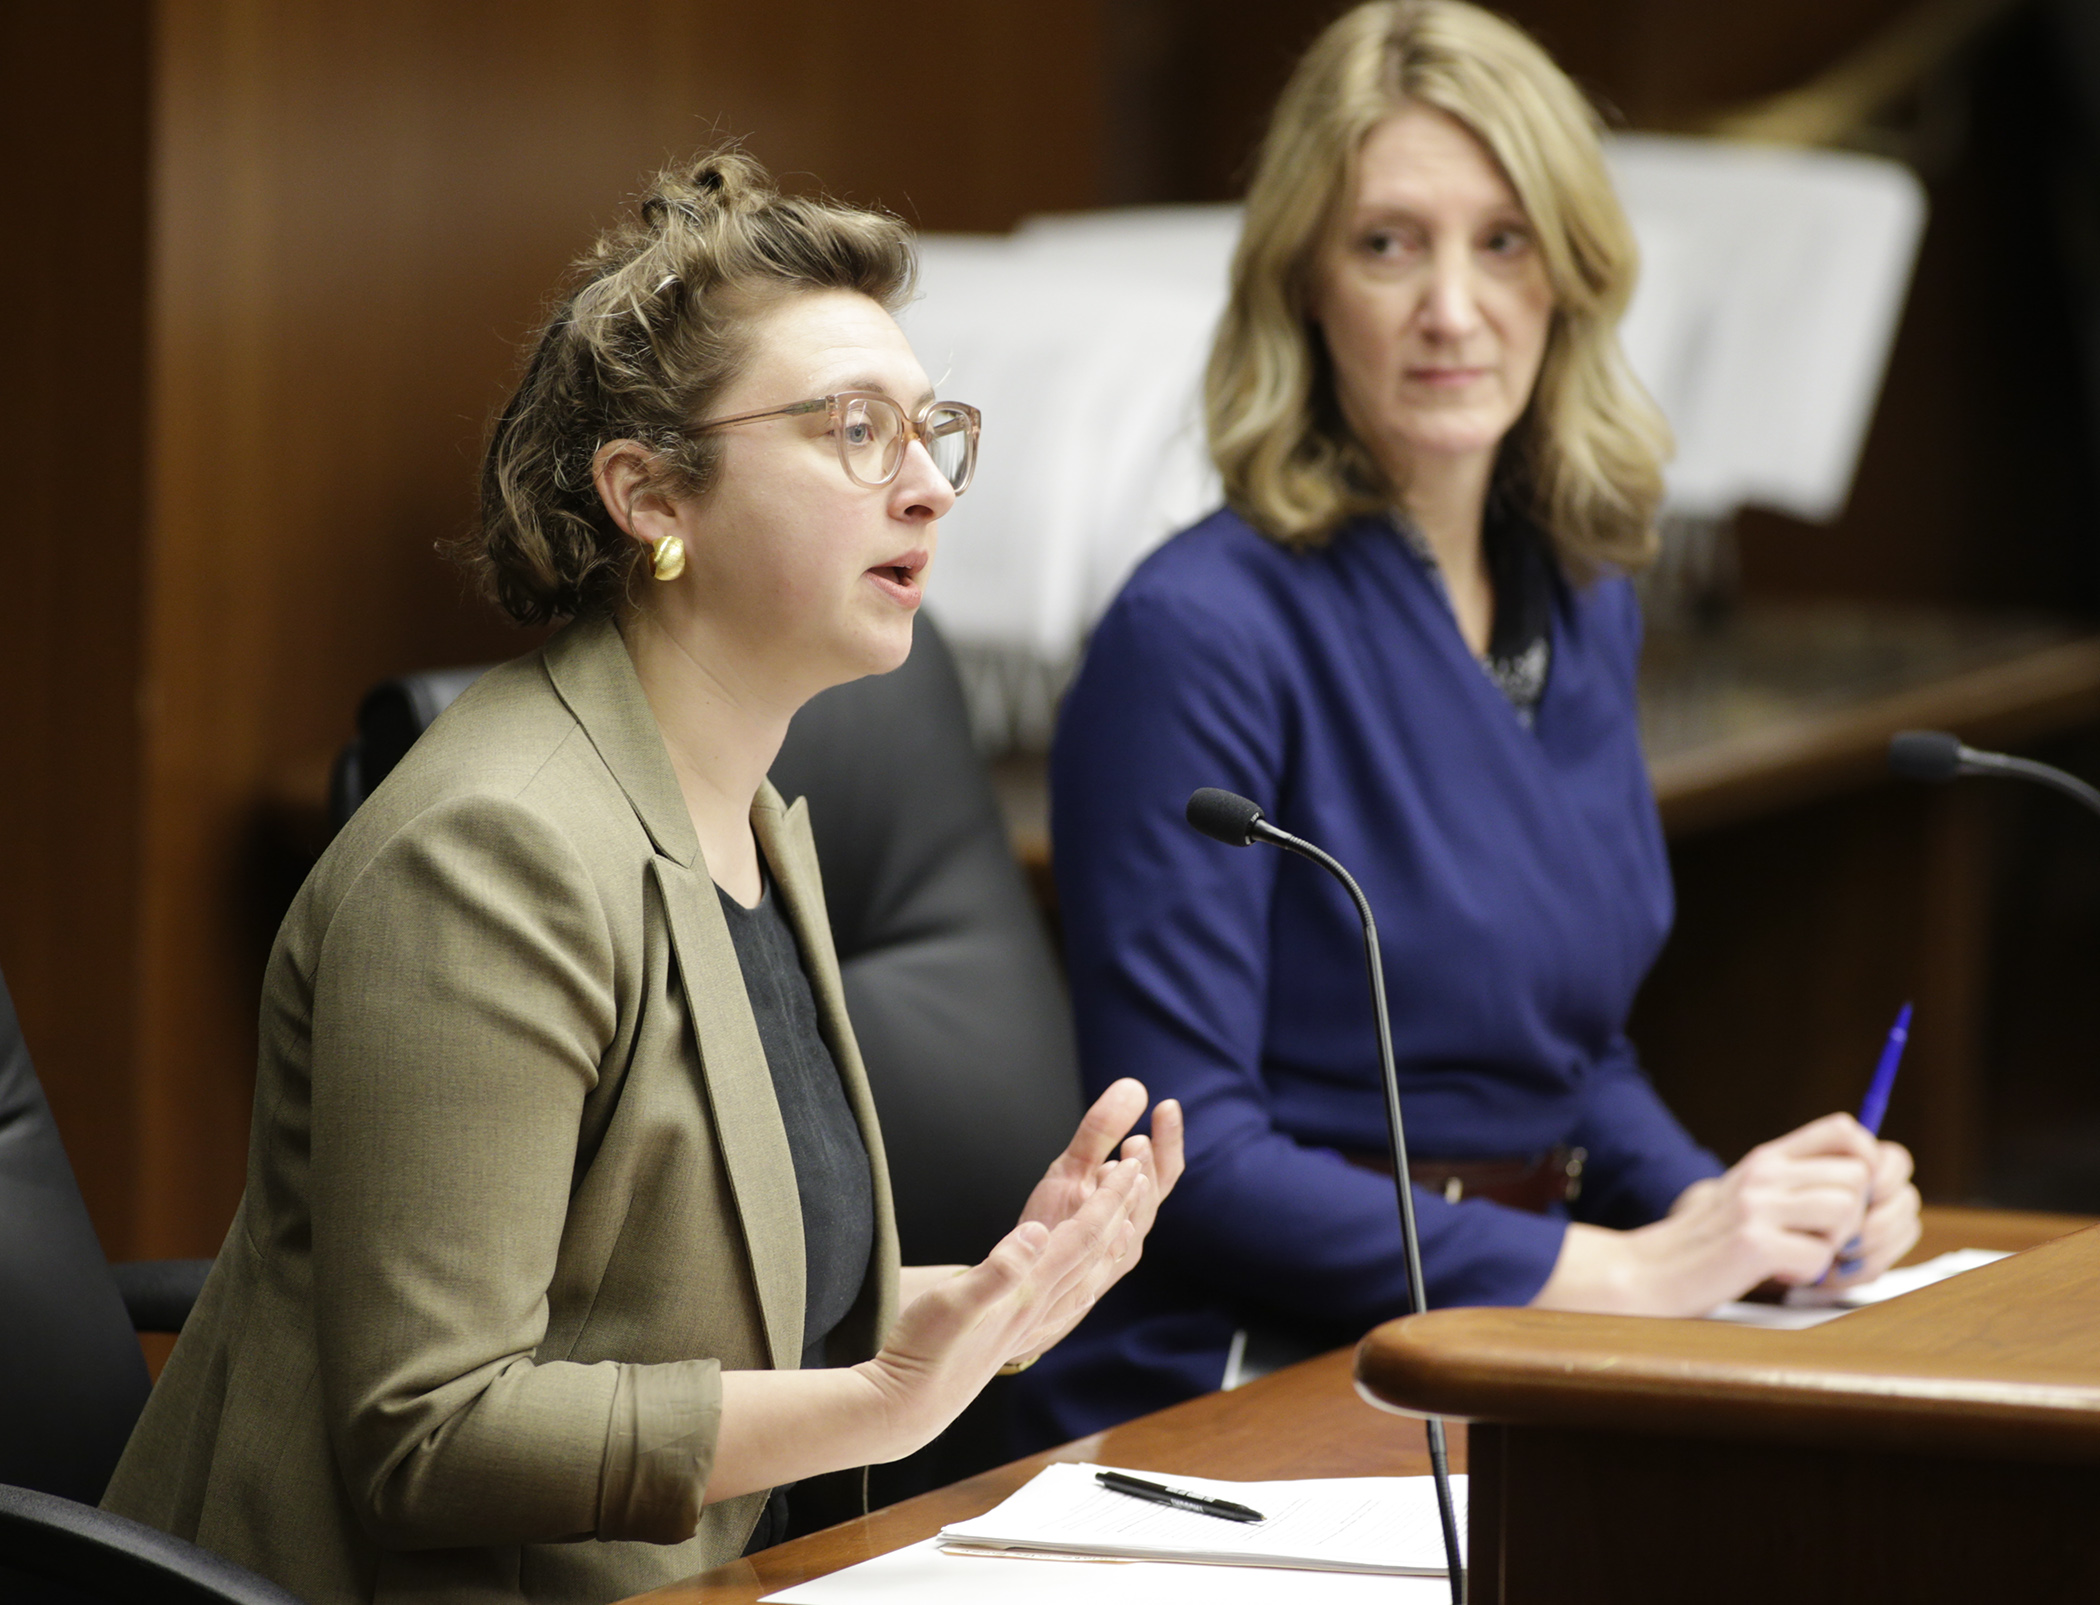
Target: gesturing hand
[
  {"x": 1032, "y": 1287},
  {"x": 1075, "y": 1173},
  {"x": 1081, "y": 1170},
  {"x": 962, "y": 1325}
]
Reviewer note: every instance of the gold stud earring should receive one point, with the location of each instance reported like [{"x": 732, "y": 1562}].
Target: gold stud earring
[{"x": 667, "y": 558}]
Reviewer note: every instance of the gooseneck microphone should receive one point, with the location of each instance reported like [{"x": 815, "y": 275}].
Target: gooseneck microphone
[
  {"x": 1227, "y": 817},
  {"x": 1938, "y": 756}
]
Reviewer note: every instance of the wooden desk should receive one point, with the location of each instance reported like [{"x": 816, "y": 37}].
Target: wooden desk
[
  {"x": 1306, "y": 1421},
  {"x": 1944, "y": 1446},
  {"x": 1786, "y": 703}
]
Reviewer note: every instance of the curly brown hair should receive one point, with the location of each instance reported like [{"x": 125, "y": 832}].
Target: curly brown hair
[{"x": 654, "y": 325}]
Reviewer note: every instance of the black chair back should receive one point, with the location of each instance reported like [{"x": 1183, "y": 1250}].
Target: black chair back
[
  {"x": 957, "y": 1002},
  {"x": 72, "y": 1379},
  {"x": 56, "y": 1552},
  {"x": 390, "y": 718}
]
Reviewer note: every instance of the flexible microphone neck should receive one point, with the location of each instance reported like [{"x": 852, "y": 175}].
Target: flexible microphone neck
[
  {"x": 1224, "y": 816},
  {"x": 1936, "y": 755}
]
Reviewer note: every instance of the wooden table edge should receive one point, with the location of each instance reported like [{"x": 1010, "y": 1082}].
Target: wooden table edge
[
  {"x": 1862, "y": 1381},
  {"x": 1811, "y": 755},
  {"x": 1245, "y": 1434},
  {"x": 1198, "y": 1431}
]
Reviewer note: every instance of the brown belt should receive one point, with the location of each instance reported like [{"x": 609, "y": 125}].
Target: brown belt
[{"x": 1535, "y": 1184}]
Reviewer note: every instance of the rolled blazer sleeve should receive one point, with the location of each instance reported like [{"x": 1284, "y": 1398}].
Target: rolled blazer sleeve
[{"x": 464, "y": 998}]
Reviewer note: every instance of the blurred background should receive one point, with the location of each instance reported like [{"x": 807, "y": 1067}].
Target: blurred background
[{"x": 269, "y": 263}]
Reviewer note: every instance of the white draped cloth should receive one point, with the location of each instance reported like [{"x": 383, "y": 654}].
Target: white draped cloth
[{"x": 1771, "y": 286}]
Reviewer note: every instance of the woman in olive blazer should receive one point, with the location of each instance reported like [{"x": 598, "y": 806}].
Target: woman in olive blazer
[
  {"x": 513, "y": 1306},
  {"x": 407, "y": 1242}
]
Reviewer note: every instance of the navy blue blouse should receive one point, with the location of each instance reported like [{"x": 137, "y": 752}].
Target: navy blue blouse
[{"x": 1522, "y": 892}]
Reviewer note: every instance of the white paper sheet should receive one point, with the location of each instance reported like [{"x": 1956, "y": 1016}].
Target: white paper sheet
[
  {"x": 1385, "y": 1524},
  {"x": 1909, "y": 1278},
  {"x": 922, "y": 1575},
  {"x": 1804, "y": 1309}
]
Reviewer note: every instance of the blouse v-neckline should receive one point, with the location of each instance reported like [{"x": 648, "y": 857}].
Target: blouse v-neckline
[{"x": 1519, "y": 655}]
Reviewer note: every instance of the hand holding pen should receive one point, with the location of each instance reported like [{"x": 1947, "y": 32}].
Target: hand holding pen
[
  {"x": 1889, "y": 1217},
  {"x": 1774, "y": 1220},
  {"x": 1872, "y": 1109}
]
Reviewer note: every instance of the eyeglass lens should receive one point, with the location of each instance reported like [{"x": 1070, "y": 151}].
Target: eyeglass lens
[{"x": 872, "y": 440}]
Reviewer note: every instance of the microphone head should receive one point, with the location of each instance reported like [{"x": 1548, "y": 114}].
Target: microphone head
[
  {"x": 1224, "y": 816},
  {"x": 1925, "y": 754}
]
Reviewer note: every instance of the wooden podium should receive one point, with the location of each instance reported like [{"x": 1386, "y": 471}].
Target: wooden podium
[{"x": 1943, "y": 1446}]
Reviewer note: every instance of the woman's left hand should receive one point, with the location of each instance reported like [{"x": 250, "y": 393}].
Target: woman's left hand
[{"x": 1074, "y": 1174}]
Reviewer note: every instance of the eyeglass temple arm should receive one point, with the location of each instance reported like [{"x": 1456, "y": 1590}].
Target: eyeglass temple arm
[{"x": 794, "y": 411}]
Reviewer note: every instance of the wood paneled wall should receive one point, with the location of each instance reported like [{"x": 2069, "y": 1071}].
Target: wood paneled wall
[
  {"x": 1191, "y": 81},
  {"x": 73, "y": 188},
  {"x": 287, "y": 253},
  {"x": 272, "y": 260}
]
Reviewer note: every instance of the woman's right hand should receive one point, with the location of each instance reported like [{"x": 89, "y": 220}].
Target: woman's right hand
[
  {"x": 951, "y": 1340},
  {"x": 1782, "y": 1213},
  {"x": 781, "y": 1426}
]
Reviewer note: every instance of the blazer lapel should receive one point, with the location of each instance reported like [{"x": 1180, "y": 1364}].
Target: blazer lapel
[
  {"x": 591, "y": 671},
  {"x": 784, "y": 836},
  {"x": 740, "y": 1095}
]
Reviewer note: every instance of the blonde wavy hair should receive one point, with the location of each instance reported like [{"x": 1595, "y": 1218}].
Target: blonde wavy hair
[{"x": 1585, "y": 459}]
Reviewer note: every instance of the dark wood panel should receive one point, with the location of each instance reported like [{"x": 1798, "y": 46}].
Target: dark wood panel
[
  {"x": 73, "y": 124},
  {"x": 1586, "y": 1518},
  {"x": 361, "y": 211},
  {"x": 1974, "y": 482},
  {"x": 1190, "y": 84},
  {"x": 1729, "y": 741},
  {"x": 1662, "y": 64},
  {"x": 1797, "y": 939}
]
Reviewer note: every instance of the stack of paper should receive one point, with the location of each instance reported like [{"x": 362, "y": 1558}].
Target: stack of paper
[
  {"x": 926, "y": 1574},
  {"x": 1366, "y": 1538},
  {"x": 1806, "y": 1307},
  {"x": 1344, "y": 1524}
]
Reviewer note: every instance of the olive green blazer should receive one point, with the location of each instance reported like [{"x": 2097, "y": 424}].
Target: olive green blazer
[{"x": 518, "y": 1188}]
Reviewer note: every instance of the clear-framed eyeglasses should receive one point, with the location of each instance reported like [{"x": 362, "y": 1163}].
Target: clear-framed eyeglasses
[{"x": 873, "y": 433}]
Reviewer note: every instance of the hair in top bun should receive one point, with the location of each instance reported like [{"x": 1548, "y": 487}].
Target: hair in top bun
[{"x": 654, "y": 324}]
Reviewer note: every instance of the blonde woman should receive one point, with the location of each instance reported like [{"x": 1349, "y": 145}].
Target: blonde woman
[
  {"x": 567, "y": 1239},
  {"x": 1409, "y": 636}
]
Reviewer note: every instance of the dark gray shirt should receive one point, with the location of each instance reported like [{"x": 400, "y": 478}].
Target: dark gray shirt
[{"x": 831, "y": 1162}]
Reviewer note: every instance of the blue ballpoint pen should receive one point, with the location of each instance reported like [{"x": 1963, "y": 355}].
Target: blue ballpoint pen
[{"x": 1875, "y": 1105}]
